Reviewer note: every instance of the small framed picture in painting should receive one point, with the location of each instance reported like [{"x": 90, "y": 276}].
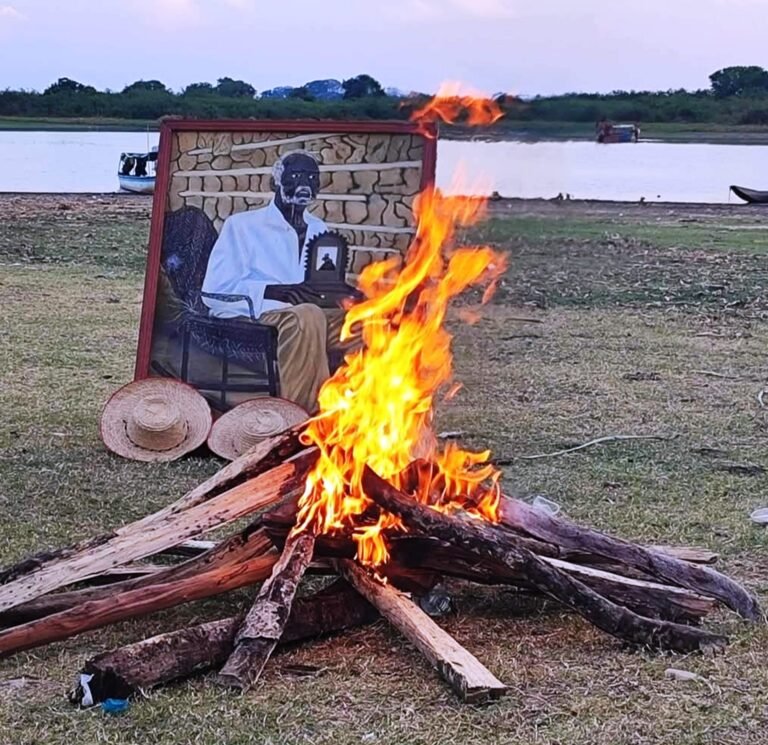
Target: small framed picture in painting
[{"x": 259, "y": 231}]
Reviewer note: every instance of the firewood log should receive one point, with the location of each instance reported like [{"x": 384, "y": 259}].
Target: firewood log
[
  {"x": 496, "y": 543},
  {"x": 264, "y": 624},
  {"x": 246, "y": 498},
  {"x": 160, "y": 659},
  {"x": 525, "y": 519},
  {"x": 264, "y": 456}
]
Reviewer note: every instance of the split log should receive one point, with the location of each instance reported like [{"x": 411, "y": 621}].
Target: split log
[
  {"x": 498, "y": 544},
  {"x": 132, "y": 603},
  {"x": 250, "y": 496},
  {"x": 263, "y": 626},
  {"x": 522, "y": 517},
  {"x": 264, "y": 456},
  {"x": 245, "y": 545},
  {"x": 122, "y": 672},
  {"x": 471, "y": 681}
]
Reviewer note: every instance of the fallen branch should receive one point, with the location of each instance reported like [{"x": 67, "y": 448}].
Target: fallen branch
[
  {"x": 465, "y": 674},
  {"x": 714, "y": 374},
  {"x": 598, "y": 441}
]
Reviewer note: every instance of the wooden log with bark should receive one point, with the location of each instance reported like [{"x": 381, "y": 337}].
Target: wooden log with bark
[
  {"x": 264, "y": 625},
  {"x": 528, "y": 521},
  {"x": 418, "y": 561},
  {"x": 179, "y": 654},
  {"x": 248, "y": 543},
  {"x": 499, "y": 544}
]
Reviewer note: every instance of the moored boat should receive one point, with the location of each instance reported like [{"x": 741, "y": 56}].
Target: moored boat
[
  {"x": 136, "y": 172},
  {"x": 753, "y": 196},
  {"x": 607, "y": 133}
]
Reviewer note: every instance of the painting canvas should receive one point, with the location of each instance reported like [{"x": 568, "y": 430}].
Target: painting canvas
[{"x": 259, "y": 232}]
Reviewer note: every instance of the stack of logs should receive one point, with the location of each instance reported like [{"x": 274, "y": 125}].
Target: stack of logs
[{"x": 648, "y": 597}]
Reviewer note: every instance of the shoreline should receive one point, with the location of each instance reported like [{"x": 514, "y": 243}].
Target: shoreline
[
  {"x": 510, "y": 131},
  {"x": 31, "y": 204}
]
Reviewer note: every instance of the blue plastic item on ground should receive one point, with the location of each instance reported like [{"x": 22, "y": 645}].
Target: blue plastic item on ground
[{"x": 115, "y": 705}]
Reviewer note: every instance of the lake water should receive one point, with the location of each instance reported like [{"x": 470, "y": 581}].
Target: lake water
[{"x": 87, "y": 162}]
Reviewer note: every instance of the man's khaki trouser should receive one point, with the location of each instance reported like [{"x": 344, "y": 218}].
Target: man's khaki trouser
[{"x": 305, "y": 333}]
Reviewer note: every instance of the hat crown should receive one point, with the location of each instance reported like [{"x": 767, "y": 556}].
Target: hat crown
[
  {"x": 156, "y": 414},
  {"x": 156, "y": 423},
  {"x": 258, "y": 425}
]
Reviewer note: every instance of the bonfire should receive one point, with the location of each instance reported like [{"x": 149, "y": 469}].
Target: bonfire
[{"x": 363, "y": 492}]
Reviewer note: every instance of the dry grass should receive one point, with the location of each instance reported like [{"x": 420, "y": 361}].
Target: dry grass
[{"x": 628, "y": 366}]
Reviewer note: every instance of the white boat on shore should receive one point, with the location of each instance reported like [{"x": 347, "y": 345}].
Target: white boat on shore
[{"x": 136, "y": 172}]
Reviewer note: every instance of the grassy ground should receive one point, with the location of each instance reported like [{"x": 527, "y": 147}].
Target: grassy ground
[{"x": 652, "y": 321}]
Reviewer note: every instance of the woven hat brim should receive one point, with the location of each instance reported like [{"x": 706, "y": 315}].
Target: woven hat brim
[
  {"x": 223, "y": 437},
  {"x": 193, "y": 407}
]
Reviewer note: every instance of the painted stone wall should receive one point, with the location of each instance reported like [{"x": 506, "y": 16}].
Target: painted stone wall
[{"x": 367, "y": 182}]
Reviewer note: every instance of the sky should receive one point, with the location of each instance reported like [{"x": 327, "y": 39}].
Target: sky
[{"x": 523, "y": 47}]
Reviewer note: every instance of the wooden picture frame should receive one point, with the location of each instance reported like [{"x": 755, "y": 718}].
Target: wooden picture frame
[{"x": 221, "y": 168}]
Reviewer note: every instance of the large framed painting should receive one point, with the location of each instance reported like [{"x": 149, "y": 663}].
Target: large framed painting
[{"x": 259, "y": 231}]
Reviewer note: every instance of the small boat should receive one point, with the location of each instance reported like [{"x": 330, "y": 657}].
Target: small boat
[
  {"x": 609, "y": 133},
  {"x": 750, "y": 195},
  {"x": 136, "y": 172}
]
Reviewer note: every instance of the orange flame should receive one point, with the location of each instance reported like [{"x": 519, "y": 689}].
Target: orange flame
[
  {"x": 453, "y": 99},
  {"x": 377, "y": 408}
]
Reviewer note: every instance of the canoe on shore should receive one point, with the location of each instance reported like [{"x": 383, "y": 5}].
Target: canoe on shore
[{"x": 750, "y": 195}]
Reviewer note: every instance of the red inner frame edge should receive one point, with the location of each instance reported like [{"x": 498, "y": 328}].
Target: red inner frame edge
[{"x": 167, "y": 130}]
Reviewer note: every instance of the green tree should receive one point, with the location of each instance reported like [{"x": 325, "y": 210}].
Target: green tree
[
  {"x": 303, "y": 93},
  {"x": 67, "y": 85},
  {"x": 362, "y": 86},
  {"x": 739, "y": 80},
  {"x": 234, "y": 88},
  {"x": 155, "y": 86},
  {"x": 199, "y": 89}
]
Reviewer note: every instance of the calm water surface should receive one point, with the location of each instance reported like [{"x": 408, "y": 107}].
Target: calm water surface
[{"x": 87, "y": 162}]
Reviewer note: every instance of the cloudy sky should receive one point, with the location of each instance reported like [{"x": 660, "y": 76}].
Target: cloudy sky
[{"x": 521, "y": 46}]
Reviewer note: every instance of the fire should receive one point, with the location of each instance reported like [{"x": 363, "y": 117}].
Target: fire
[
  {"x": 377, "y": 408},
  {"x": 453, "y": 100}
]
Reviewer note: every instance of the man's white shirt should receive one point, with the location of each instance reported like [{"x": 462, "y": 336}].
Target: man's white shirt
[{"x": 256, "y": 249}]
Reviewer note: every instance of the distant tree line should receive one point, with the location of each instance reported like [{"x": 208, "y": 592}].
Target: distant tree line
[
  {"x": 359, "y": 97},
  {"x": 737, "y": 95}
]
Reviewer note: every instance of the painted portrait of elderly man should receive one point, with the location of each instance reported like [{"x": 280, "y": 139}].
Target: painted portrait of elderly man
[
  {"x": 262, "y": 255},
  {"x": 259, "y": 232}
]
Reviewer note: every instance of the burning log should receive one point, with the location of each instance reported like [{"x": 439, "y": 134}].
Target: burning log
[
  {"x": 646, "y": 598},
  {"x": 237, "y": 502},
  {"x": 180, "y": 654},
  {"x": 466, "y": 675},
  {"x": 525, "y": 519},
  {"x": 500, "y": 545},
  {"x": 265, "y": 622},
  {"x": 417, "y": 562},
  {"x": 263, "y": 457}
]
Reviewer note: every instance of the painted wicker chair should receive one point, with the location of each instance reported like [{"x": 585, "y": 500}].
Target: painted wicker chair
[{"x": 188, "y": 239}]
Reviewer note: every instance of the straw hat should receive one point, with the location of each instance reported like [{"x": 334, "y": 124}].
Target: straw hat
[
  {"x": 155, "y": 419},
  {"x": 252, "y": 421}
]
